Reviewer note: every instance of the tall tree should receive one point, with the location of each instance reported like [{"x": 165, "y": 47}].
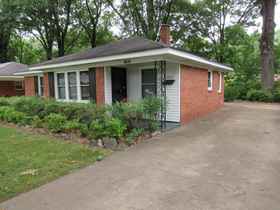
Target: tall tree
[
  {"x": 89, "y": 13},
  {"x": 142, "y": 17},
  {"x": 37, "y": 20},
  {"x": 63, "y": 21},
  {"x": 9, "y": 14},
  {"x": 267, "y": 43},
  {"x": 208, "y": 19}
]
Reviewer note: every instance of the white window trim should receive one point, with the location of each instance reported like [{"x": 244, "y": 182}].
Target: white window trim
[
  {"x": 211, "y": 79},
  {"x": 39, "y": 85},
  {"x": 220, "y": 82},
  {"x": 79, "y": 97},
  {"x": 157, "y": 82}
]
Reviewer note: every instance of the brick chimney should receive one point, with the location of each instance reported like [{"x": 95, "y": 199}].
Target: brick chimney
[{"x": 164, "y": 34}]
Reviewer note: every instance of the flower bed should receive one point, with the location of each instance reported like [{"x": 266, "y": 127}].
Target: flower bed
[{"x": 120, "y": 123}]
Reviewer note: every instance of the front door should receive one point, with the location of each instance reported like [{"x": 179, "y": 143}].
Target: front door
[{"x": 119, "y": 92}]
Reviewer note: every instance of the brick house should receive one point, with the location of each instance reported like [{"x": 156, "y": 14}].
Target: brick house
[
  {"x": 10, "y": 84},
  {"x": 129, "y": 70}
]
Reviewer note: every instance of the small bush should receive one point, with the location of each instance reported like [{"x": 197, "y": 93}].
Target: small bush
[
  {"x": 4, "y": 101},
  {"x": 133, "y": 135},
  {"x": 259, "y": 95},
  {"x": 55, "y": 122},
  {"x": 9, "y": 114},
  {"x": 231, "y": 93},
  {"x": 37, "y": 122},
  {"x": 72, "y": 126},
  {"x": 29, "y": 105},
  {"x": 115, "y": 128}
]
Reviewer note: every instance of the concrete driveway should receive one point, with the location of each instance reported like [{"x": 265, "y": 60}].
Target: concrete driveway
[{"x": 229, "y": 160}]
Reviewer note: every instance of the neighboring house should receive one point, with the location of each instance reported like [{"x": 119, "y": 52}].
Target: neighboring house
[
  {"x": 129, "y": 70},
  {"x": 11, "y": 85}
]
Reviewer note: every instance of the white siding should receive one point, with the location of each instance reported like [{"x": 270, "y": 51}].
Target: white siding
[
  {"x": 108, "y": 86},
  {"x": 134, "y": 89}
]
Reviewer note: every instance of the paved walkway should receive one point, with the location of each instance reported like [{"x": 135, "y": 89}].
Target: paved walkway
[{"x": 229, "y": 160}]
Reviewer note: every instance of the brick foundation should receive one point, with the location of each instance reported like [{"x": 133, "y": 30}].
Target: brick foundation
[
  {"x": 196, "y": 100},
  {"x": 100, "y": 93}
]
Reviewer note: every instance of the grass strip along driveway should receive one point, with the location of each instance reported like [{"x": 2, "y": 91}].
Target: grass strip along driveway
[{"x": 28, "y": 160}]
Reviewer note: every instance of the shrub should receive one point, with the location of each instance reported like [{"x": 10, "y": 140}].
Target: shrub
[
  {"x": 115, "y": 128},
  {"x": 259, "y": 95},
  {"x": 72, "y": 126},
  {"x": 55, "y": 122},
  {"x": 276, "y": 92},
  {"x": 133, "y": 135},
  {"x": 107, "y": 127},
  {"x": 37, "y": 122},
  {"x": 151, "y": 109},
  {"x": 9, "y": 114},
  {"x": 4, "y": 101},
  {"x": 231, "y": 93},
  {"x": 29, "y": 105}
]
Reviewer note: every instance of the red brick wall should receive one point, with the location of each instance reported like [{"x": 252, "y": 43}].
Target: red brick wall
[
  {"x": 196, "y": 100},
  {"x": 46, "y": 85},
  {"x": 100, "y": 97},
  {"x": 7, "y": 88},
  {"x": 29, "y": 84}
]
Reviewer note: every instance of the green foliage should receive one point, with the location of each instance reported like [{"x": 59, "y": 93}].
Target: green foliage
[
  {"x": 9, "y": 114},
  {"x": 55, "y": 122},
  {"x": 133, "y": 134},
  {"x": 107, "y": 127},
  {"x": 88, "y": 120},
  {"x": 37, "y": 122},
  {"x": 259, "y": 95}
]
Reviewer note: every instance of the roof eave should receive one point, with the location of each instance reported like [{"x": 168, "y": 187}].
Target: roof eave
[{"x": 157, "y": 52}]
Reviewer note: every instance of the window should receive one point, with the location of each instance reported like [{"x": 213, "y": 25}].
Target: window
[
  {"x": 61, "y": 86},
  {"x": 210, "y": 80},
  {"x": 72, "y": 85},
  {"x": 220, "y": 82},
  {"x": 41, "y": 85},
  {"x": 84, "y": 84},
  {"x": 149, "y": 82},
  {"x": 19, "y": 88}
]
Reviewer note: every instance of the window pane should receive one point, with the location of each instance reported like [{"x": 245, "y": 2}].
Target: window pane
[
  {"x": 84, "y": 81},
  {"x": 72, "y": 82},
  {"x": 60, "y": 79},
  {"x": 209, "y": 80},
  {"x": 149, "y": 76},
  {"x": 73, "y": 93},
  {"x": 61, "y": 93},
  {"x": 149, "y": 90},
  {"x": 85, "y": 92},
  {"x": 72, "y": 79},
  {"x": 84, "y": 78},
  {"x": 41, "y": 86},
  {"x": 61, "y": 86}
]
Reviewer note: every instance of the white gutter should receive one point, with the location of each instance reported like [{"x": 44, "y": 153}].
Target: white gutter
[
  {"x": 157, "y": 52},
  {"x": 28, "y": 73}
]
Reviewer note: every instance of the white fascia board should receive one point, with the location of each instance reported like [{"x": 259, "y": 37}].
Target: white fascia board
[
  {"x": 28, "y": 73},
  {"x": 105, "y": 59},
  {"x": 199, "y": 59},
  {"x": 11, "y": 78},
  {"x": 157, "y": 52}
]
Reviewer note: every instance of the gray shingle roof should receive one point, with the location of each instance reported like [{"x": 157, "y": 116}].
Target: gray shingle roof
[
  {"x": 136, "y": 44},
  {"x": 8, "y": 69}
]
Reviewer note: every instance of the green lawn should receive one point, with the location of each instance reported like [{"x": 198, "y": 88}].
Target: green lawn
[{"x": 27, "y": 161}]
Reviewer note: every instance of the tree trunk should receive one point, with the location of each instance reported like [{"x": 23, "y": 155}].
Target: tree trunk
[
  {"x": 266, "y": 44},
  {"x": 4, "y": 47}
]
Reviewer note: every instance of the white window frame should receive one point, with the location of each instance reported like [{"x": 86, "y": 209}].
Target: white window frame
[
  {"x": 67, "y": 99},
  {"x": 39, "y": 85},
  {"x": 149, "y": 67},
  {"x": 211, "y": 80},
  {"x": 220, "y": 82}
]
